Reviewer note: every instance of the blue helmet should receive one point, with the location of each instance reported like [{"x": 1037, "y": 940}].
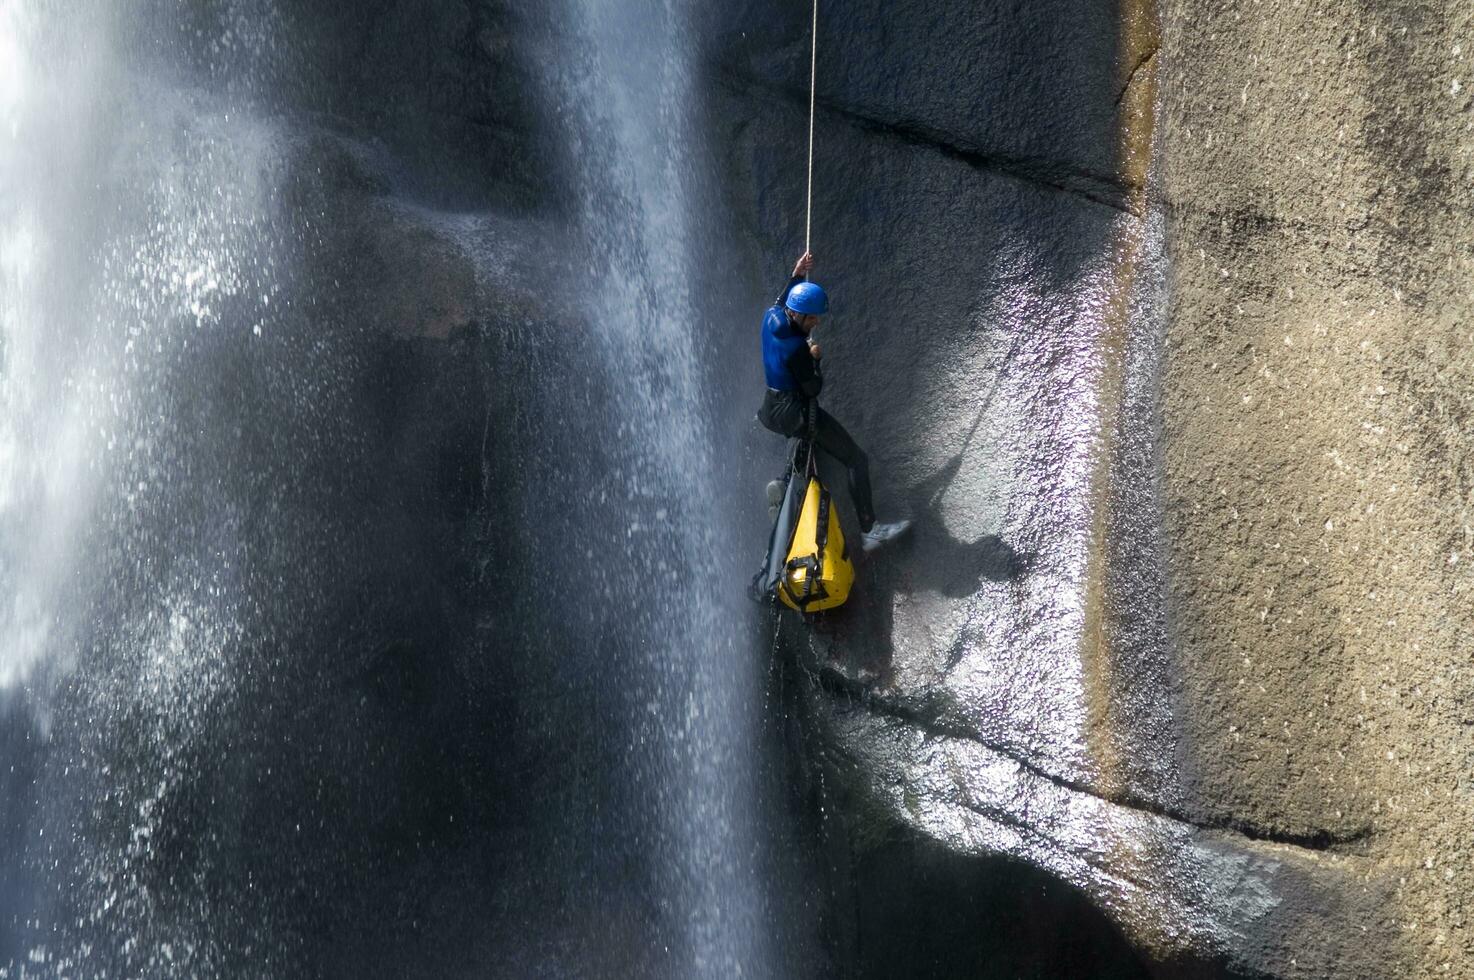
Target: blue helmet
[{"x": 808, "y": 297}]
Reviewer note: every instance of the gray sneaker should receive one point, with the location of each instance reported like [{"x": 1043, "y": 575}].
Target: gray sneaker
[
  {"x": 775, "y": 498},
  {"x": 883, "y": 534}
]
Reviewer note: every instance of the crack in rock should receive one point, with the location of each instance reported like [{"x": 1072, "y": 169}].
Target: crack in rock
[
  {"x": 1135, "y": 70},
  {"x": 1111, "y": 192},
  {"x": 928, "y": 721}
]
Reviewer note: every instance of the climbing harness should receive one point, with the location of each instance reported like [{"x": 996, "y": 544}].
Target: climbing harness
[{"x": 813, "y": 76}]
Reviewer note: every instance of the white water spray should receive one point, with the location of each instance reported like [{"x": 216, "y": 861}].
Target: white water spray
[
  {"x": 130, "y": 211},
  {"x": 626, "y": 85}
]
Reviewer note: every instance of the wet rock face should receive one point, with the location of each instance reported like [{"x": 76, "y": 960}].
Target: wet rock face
[
  {"x": 1153, "y": 319},
  {"x": 448, "y": 91},
  {"x": 1157, "y": 330}
]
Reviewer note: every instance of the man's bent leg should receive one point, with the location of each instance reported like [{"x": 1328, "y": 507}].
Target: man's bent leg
[
  {"x": 782, "y": 412},
  {"x": 831, "y": 437}
]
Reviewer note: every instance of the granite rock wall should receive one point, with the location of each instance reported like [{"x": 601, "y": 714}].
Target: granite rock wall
[{"x": 1152, "y": 318}]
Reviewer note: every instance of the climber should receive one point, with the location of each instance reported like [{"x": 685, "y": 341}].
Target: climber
[{"x": 791, "y": 358}]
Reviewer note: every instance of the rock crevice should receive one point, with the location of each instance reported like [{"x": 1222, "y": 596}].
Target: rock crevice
[
  {"x": 1053, "y": 175},
  {"x": 1141, "y": 63},
  {"x": 930, "y": 721}
]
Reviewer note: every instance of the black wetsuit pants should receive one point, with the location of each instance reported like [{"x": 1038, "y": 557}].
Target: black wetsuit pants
[{"x": 783, "y": 413}]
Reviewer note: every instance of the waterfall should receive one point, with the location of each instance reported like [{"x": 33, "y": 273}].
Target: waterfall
[
  {"x": 52, "y": 400},
  {"x": 205, "y": 588},
  {"x": 136, "y": 223},
  {"x": 143, "y": 254},
  {"x": 622, "y": 88}
]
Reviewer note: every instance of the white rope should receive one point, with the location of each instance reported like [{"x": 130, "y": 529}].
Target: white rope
[{"x": 813, "y": 75}]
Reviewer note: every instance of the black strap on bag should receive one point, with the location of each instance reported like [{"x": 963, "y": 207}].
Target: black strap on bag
[
  {"x": 813, "y": 565},
  {"x": 821, "y": 533},
  {"x": 813, "y": 589}
]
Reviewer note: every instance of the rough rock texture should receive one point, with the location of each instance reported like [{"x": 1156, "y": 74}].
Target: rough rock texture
[
  {"x": 1318, "y": 478},
  {"x": 1151, "y": 319}
]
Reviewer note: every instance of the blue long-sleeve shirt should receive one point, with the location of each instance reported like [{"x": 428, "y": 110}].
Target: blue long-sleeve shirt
[{"x": 787, "y": 363}]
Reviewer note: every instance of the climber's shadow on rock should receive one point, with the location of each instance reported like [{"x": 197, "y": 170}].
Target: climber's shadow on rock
[
  {"x": 930, "y": 559},
  {"x": 938, "y": 560}
]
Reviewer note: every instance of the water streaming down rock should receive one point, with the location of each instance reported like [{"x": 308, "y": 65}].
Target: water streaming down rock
[
  {"x": 623, "y": 84},
  {"x": 160, "y": 399},
  {"x": 301, "y": 672}
]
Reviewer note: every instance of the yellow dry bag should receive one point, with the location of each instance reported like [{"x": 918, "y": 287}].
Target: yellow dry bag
[{"x": 817, "y": 574}]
